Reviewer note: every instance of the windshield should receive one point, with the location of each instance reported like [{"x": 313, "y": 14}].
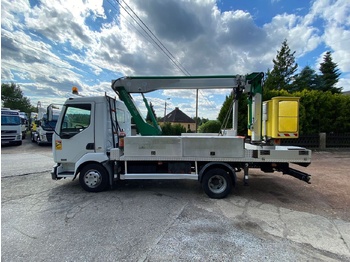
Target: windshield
[
  {"x": 50, "y": 125},
  {"x": 10, "y": 120}
]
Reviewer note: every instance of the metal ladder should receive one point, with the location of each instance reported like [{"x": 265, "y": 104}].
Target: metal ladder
[{"x": 113, "y": 117}]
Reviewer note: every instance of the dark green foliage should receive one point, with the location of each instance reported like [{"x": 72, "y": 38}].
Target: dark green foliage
[
  {"x": 148, "y": 117},
  {"x": 80, "y": 118},
  {"x": 284, "y": 67},
  {"x": 169, "y": 129},
  {"x": 306, "y": 79},
  {"x": 324, "y": 112},
  {"x": 211, "y": 126},
  {"x": 12, "y": 97},
  {"x": 330, "y": 74},
  {"x": 282, "y": 76},
  {"x": 200, "y": 121}
]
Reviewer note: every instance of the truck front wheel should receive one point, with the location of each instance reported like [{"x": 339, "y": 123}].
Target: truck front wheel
[
  {"x": 93, "y": 178},
  {"x": 217, "y": 183}
]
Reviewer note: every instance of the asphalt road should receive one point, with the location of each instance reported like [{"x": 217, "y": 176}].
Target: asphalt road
[{"x": 276, "y": 218}]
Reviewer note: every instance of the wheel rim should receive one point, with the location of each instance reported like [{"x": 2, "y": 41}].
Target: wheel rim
[
  {"x": 92, "y": 178},
  {"x": 217, "y": 184}
]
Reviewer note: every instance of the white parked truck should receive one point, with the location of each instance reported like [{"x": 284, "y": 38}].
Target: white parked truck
[
  {"x": 93, "y": 140},
  {"x": 11, "y": 130},
  {"x": 43, "y": 127},
  {"x": 24, "y": 124}
]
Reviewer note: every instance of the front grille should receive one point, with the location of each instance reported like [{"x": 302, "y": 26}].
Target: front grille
[
  {"x": 7, "y": 138},
  {"x": 8, "y": 131}
]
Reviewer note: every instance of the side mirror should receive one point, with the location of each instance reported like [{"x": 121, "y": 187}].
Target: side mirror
[{"x": 49, "y": 112}]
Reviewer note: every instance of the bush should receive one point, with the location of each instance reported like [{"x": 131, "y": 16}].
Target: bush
[
  {"x": 172, "y": 129},
  {"x": 211, "y": 126}
]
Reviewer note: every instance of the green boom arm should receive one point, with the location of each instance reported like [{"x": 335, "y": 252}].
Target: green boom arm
[
  {"x": 144, "y": 128},
  {"x": 250, "y": 84}
]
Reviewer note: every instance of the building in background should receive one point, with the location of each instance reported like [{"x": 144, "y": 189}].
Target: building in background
[{"x": 178, "y": 117}]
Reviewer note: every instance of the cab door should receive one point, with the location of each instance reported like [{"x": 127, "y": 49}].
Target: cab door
[{"x": 76, "y": 134}]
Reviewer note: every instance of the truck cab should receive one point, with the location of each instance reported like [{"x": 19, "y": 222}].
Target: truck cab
[
  {"x": 44, "y": 129},
  {"x": 86, "y": 131},
  {"x": 11, "y": 131},
  {"x": 24, "y": 124}
]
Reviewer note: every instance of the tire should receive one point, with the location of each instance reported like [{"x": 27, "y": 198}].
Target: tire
[
  {"x": 217, "y": 183},
  {"x": 93, "y": 178},
  {"x": 32, "y": 136}
]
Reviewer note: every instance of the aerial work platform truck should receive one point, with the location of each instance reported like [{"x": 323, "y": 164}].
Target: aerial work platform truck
[{"x": 93, "y": 140}]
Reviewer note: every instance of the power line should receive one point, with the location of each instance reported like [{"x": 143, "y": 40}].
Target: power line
[
  {"x": 152, "y": 36},
  {"x": 140, "y": 32},
  {"x": 158, "y": 39},
  {"x": 159, "y": 43}
]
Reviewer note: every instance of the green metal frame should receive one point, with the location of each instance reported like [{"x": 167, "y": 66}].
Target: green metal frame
[
  {"x": 144, "y": 128},
  {"x": 255, "y": 80}
]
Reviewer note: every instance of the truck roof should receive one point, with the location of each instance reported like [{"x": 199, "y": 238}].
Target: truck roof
[{"x": 98, "y": 99}]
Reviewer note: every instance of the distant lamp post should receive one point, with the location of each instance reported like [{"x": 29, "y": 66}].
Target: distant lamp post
[{"x": 165, "y": 104}]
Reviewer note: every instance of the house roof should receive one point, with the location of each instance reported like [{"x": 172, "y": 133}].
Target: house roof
[{"x": 177, "y": 116}]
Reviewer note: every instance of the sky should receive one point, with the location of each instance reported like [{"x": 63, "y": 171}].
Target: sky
[{"x": 47, "y": 47}]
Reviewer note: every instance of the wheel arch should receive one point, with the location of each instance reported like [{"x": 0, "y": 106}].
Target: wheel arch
[
  {"x": 222, "y": 165},
  {"x": 92, "y": 158}
]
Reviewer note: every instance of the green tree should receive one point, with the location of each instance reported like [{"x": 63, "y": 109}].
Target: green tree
[
  {"x": 284, "y": 67},
  {"x": 12, "y": 97},
  {"x": 211, "y": 126},
  {"x": 200, "y": 121},
  {"x": 330, "y": 74},
  {"x": 148, "y": 117},
  {"x": 306, "y": 79}
]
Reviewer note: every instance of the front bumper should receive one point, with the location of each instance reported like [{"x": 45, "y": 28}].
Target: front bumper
[{"x": 54, "y": 172}]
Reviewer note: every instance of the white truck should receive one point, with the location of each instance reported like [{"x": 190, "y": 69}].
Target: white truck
[
  {"x": 93, "y": 139},
  {"x": 11, "y": 130},
  {"x": 44, "y": 128},
  {"x": 24, "y": 124}
]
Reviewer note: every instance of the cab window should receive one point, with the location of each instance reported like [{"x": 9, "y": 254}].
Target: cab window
[{"x": 76, "y": 118}]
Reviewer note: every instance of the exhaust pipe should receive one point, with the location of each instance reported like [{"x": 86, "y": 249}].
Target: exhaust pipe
[{"x": 297, "y": 174}]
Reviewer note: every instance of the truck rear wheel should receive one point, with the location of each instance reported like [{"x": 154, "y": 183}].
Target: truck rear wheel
[
  {"x": 93, "y": 178},
  {"x": 217, "y": 183}
]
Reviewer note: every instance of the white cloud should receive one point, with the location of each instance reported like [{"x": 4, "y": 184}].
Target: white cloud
[{"x": 335, "y": 16}]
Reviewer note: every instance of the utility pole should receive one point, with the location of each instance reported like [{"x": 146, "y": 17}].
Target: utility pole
[{"x": 165, "y": 108}]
